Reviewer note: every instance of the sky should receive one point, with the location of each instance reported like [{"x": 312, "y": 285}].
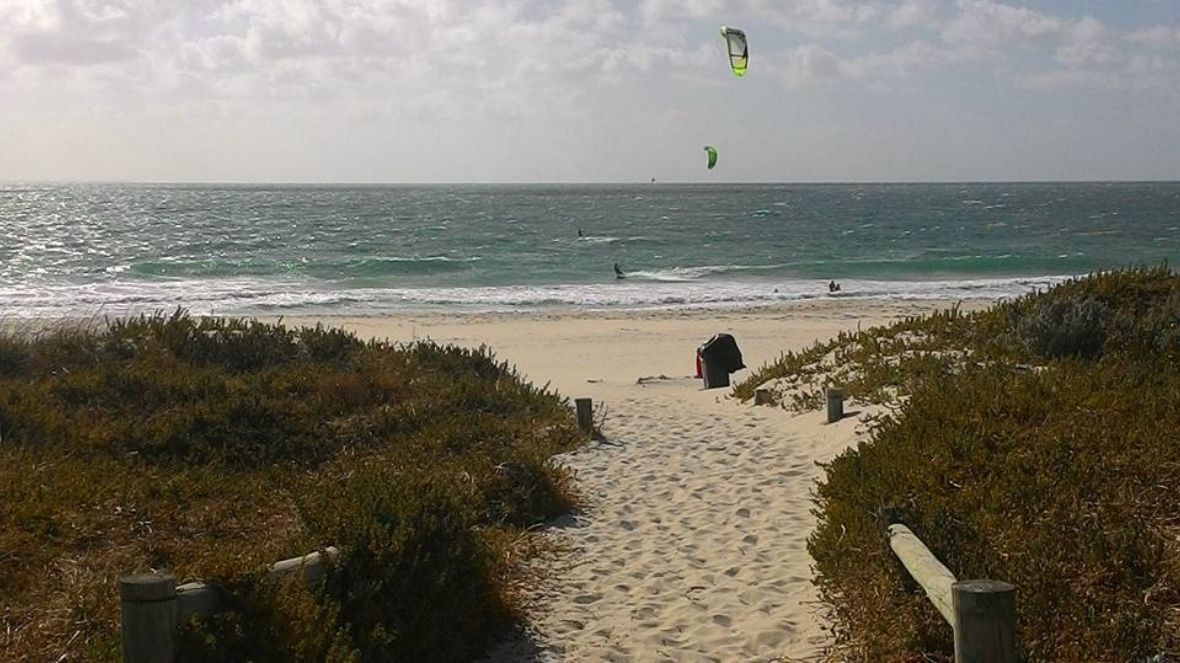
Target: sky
[{"x": 410, "y": 91}]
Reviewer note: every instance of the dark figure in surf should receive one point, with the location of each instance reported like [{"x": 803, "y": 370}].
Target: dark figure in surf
[
  {"x": 619, "y": 272},
  {"x": 833, "y": 286},
  {"x": 579, "y": 232}
]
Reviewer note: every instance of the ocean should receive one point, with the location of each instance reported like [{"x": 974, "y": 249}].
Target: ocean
[{"x": 116, "y": 249}]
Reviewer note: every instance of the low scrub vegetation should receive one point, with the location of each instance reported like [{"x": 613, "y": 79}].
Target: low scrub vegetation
[
  {"x": 1036, "y": 443},
  {"x": 211, "y": 448}
]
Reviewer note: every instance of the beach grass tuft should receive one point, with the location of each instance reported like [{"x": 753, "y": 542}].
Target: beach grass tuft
[
  {"x": 211, "y": 448},
  {"x": 1036, "y": 444}
]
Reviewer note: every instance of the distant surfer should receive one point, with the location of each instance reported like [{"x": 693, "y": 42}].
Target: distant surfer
[
  {"x": 619, "y": 272},
  {"x": 580, "y": 232}
]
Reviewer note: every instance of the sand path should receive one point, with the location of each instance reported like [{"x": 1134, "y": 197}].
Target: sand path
[{"x": 691, "y": 545}]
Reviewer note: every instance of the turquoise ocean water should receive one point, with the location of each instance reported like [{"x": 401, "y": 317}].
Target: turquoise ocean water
[{"x": 113, "y": 249}]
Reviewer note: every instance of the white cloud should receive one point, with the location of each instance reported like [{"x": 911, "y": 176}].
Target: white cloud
[
  {"x": 28, "y": 15},
  {"x": 914, "y": 13},
  {"x": 1157, "y": 36},
  {"x": 48, "y": 49},
  {"x": 986, "y": 24},
  {"x": 1088, "y": 44},
  {"x": 905, "y": 60},
  {"x": 1087, "y": 51},
  {"x": 434, "y": 72},
  {"x": 512, "y": 57},
  {"x": 660, "y": 10},
  {"x": 810, "y": 63},
  {"x": 810, "y": 17}
]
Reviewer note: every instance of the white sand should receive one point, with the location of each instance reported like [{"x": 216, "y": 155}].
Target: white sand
[{"x": 692, "y": 543}]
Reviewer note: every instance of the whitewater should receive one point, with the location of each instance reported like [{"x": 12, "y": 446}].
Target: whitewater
[{"x": 117, "y": 249}]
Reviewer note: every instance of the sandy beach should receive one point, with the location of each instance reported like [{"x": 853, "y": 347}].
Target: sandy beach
[{"x": 692, "y": 542}]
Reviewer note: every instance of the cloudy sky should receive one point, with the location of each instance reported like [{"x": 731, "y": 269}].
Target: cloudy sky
[{"x": 588, "y": 90}]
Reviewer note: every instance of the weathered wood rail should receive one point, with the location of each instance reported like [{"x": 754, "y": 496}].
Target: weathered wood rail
[
  {"x": 981, "y": 612},
  {"x": 153, "y": 605}
]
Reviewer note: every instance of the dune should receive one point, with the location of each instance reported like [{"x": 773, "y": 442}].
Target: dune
[{"x": 691, "y": 544}]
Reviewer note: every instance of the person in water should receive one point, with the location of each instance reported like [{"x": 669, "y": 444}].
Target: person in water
[
  {"x": 833, "y": 286},
  {"x": 580, "y": 232},
  {"x": 619, "y": 272}
]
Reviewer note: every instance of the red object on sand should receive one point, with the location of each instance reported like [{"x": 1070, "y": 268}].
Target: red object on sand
[{"x": 699, "y": 365}]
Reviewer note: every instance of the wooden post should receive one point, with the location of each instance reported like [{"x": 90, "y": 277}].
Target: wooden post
[
  {"x": 585, "y": 415},
  {"x": 197, "y": 598},
  {"x": 149, "y": 617},
  {"x": 985, "y": 621},
  {"x": 762, "y": 397},
  {"x": 835, "y": 404}
]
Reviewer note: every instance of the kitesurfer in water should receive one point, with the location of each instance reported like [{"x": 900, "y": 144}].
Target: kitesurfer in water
[{"x": 619, "y": 272}]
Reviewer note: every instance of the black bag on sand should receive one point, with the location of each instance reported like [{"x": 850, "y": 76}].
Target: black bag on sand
[{"x": 723, "y": 350}]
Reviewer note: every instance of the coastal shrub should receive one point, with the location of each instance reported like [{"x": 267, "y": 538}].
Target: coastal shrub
[
  {"x": 1064, "y": 482},
  {"x": 878, "y": 364},
  {"x": 1060, "y": 328},
  {"x": 213, "y": 448},
  {"x": 412, "y": 523},
  {"x": 1037, "y": 445},
  {"x": 1129, "y": 312}
]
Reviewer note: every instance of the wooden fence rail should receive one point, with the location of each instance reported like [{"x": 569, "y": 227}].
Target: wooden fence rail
[
  {"x": 153, "y": 605},
  {"x": 982, "y": 612}
]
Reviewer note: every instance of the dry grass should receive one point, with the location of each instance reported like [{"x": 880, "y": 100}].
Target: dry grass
[
  {"x": 211, "y": 448},
  {"x": 1036, "y": 444}
]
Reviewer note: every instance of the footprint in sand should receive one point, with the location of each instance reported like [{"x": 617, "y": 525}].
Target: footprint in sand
[
  {"x": 743, "y": 513},
  {"x": 587, "y": 599},
  {"x": 646, "y": 612},
  {"x": 723, "y": 621},
  {"x": 770, "y": 639}
]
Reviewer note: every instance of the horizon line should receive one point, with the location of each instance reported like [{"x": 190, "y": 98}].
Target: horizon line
[{"x": 377, "y": 183}]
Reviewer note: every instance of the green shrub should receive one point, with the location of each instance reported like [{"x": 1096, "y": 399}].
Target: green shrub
[
  {"x": 1064, "y": 482},
  {"x": 1044, "y": 453},
  {"x": 216, "y": 447},
  {"x": 1066, "y": 328}
]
